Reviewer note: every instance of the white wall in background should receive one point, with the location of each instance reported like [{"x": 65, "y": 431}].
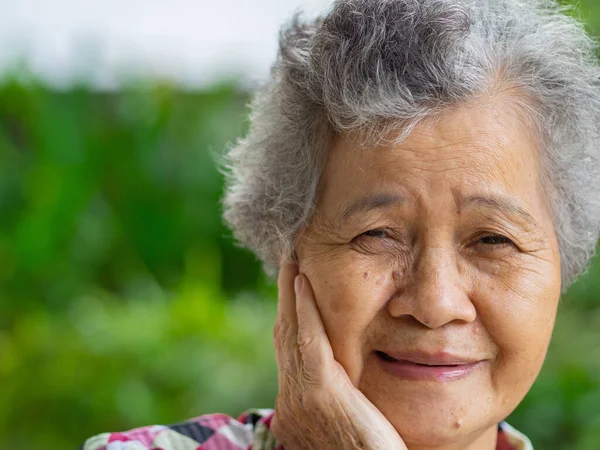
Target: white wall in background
[{"x": 193, "y": 42}]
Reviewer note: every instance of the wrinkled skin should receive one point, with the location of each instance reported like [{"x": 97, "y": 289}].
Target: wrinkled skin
[
  {"x": 434, "y": 263},
  {"x": 317, "y": 406}
]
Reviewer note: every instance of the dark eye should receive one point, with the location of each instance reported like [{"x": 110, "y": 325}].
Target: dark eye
[
  {"x": 376, "y": 233},
  {"x": 495, "y": 239}
]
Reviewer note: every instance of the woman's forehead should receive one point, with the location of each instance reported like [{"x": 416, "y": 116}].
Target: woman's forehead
[
  {"x": 467, "y": 146},
  {"x": 470, "y": 159}
]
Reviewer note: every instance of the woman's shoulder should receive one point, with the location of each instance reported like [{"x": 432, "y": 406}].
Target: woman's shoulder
[{"x": 250, "y": 431}]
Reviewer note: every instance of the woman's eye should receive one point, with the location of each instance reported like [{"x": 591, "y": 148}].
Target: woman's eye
[
  {"x": 377, "y": 233},
  {"x": 375, "y": 239},
  {"x": 495, "y": 240}
]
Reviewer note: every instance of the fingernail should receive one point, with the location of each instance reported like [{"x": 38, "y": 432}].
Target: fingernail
[{"x": 298, "y": 284}]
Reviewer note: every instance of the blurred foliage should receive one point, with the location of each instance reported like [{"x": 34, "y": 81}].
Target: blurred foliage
[
  {"x": 125, "y": 302},
  {"x": 123, "y": 298}
]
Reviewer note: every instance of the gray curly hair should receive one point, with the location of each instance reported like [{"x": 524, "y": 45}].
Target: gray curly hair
[{"x": 371, "y": 66}]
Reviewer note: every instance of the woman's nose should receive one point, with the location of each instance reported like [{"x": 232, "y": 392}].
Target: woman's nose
[{"x": 434, "y": 293}]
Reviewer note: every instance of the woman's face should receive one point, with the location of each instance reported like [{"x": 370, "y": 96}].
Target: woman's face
[{"x": 439, "y": 250}]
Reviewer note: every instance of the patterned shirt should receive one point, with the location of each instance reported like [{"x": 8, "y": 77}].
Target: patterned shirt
[{"x": 250, "y": 431}]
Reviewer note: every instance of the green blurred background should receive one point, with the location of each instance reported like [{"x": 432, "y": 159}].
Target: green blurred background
[{"x": 124, "y": 300}]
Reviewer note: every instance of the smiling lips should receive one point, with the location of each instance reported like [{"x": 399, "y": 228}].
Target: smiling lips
[{"x": 420, "y": 366}]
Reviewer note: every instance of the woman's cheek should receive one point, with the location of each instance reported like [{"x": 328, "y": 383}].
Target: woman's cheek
[
  {"x": 351, "y": 287},
  {"x": 518, "y": 313},
  {"x": 349, "y": 283},
  {"x": 350, "y": 294}
]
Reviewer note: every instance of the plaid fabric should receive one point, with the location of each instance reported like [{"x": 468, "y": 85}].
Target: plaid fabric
[{"x": 250, "y": 431}]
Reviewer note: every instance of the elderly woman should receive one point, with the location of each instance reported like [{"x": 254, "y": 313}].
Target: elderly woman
[{"x": 423, "y": 175}]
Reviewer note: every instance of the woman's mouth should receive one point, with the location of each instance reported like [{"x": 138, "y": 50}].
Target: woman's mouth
[{"x": 418, "y": 366}]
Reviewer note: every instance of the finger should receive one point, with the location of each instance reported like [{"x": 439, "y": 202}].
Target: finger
[
  {"x": 285, "y": 332},
  {"x": 286, "y": 299},
  {"x": 315, "y": 349}
]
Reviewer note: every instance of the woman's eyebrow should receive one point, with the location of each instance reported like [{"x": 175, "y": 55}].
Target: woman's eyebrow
[
  {"x": 370, "y": 202},
  {"x": 501, "y": 203},
  {"x": 384, "y": 200}
]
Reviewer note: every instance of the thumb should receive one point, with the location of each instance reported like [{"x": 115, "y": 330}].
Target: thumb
[{"x": 317, "y": 355}]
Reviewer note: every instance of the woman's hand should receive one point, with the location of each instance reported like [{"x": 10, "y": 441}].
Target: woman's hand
[{"x": 318, "y": 407}]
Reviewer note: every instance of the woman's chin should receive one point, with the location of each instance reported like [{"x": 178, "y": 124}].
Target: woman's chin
[
  {"x": 441, "y": 428},
  {"x": 437, "y": 432},
  {"x": 434, "y": 414}
]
